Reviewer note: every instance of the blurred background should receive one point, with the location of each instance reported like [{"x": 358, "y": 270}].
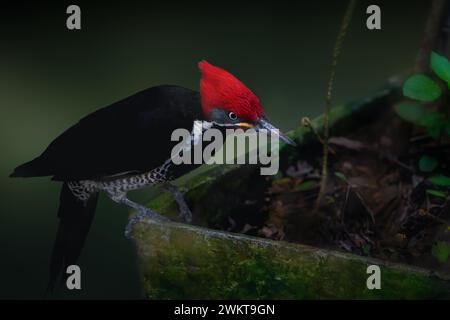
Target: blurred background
[{"x": 50, "y": 77}]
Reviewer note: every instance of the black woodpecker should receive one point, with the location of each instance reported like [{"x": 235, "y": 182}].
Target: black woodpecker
[{"x": 127, "y": 146}]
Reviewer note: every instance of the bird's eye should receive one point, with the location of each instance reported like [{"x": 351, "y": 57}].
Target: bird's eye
[{"x": 232, "y": 116}]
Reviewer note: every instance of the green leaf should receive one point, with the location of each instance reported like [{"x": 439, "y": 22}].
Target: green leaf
[
  {"x": 434, "y": 132},
  {"x": 340, "y": 175},
  {"x": 437, "y": 193},
  {"x": 440, "y": 180},
  {"x": 411, "y": 112},
  {"x": 427, "y": 163},
  {"x": 441, "y": 251},
  {"x": 306, "y": 185},
  {"x": 435, "y": 122},
  {"x": 422, "y": 88},
  {"x": 366, "y": 249},
  {"x": 441, "y": 66}
]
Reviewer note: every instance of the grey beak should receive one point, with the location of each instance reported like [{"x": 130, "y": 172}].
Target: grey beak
[{"x": 263, "y": 123}]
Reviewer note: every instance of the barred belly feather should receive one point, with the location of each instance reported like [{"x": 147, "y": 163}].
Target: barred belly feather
[{"x": 83, "y": 189}]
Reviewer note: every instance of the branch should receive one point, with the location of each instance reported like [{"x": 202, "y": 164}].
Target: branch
[{"x": 431, "y": 35}]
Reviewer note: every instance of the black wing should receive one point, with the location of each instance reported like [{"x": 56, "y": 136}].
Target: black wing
[{"x": 132, "y": 135}]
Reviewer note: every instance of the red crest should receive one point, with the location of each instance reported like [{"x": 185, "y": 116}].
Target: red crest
[{"x": 219, "y": 88}]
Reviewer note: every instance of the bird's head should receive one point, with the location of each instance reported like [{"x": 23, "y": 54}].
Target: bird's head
[{"x": 227, "y": 101}]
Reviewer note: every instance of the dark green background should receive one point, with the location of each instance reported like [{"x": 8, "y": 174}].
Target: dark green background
[{"x": 50, "y": 77}]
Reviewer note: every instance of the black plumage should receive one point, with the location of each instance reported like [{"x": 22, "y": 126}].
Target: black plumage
[{"x": 129, "y": 136}]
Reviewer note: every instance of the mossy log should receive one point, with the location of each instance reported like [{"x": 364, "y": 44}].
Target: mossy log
[
  {"x": 179, "y": 261},
  {"x": 188, "y": 262}
]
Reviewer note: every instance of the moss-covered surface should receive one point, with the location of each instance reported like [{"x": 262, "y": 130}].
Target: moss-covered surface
[{"x": 188, "y": 262}]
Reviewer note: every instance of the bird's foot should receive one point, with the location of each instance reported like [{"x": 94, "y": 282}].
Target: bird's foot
[
  {"x": 140, "y": 216},
  {"x": 185, "y": 212}
]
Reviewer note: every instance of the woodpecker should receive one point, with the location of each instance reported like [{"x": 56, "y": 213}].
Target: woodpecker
[{"x": 127, "y": 146}]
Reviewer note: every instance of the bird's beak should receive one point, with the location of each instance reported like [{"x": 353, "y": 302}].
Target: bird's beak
[
  {"x": 245, "y": 124},
  {"x": 263, "y": 123}
]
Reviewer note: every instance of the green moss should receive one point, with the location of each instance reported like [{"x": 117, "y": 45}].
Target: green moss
[{"x": 186, "y": 262}]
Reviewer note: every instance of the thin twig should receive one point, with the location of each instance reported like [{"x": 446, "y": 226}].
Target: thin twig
[
  {"x": 306, "y": 122},
  {"x": 336, "y": 51},
  {"x": 361, "y": 199},
  {"x": 344, "y": 207}
]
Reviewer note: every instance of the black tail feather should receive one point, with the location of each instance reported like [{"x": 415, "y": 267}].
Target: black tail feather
[
  {"x": 35, "y": 168},
  {"x": 75, "y": 220}
]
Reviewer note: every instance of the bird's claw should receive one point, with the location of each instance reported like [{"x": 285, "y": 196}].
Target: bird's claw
[{"x": 140, "y": 216}]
